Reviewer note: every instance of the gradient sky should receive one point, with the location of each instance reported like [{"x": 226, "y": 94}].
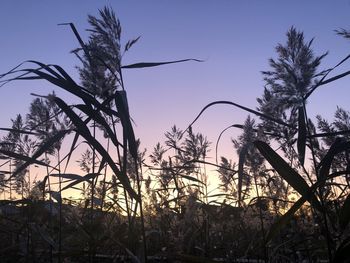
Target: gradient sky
[{"x": 235, "y": 38}]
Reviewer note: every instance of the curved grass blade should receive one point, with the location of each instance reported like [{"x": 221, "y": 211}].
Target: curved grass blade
[
  {"x": 80, "y": 179},
  {"x": 67, "y": 176},
  {"x": 221, "y": 133},
  {"x": 239, "y": 126},
  {"x": 23, "y": 158},
  {"x": 96, "y": 116},
  {"x": 323, "y": 81},
  {"x": 155, "y": 64},
  {"x": 81, "y": 42},
  {"x": 83, "y": 130},
  {"x": 65, "y": 81},
  {"x": 288, "y": 173},
  {"x": 122, "y": 106},
  {"x": 264, "y": 116},
  {"x": 327, "y": 160},
  {"x": 301, "y": 142},
  {"x": 334, "y": 78},
  {"x": 72, "y": 148},
  {"x": 47, "y": 68}
]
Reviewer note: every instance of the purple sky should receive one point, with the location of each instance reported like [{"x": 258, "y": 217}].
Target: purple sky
[{"x": 235, "y": 38}]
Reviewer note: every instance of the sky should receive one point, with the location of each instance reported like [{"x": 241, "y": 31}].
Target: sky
[{"x": 234, "y": 38}]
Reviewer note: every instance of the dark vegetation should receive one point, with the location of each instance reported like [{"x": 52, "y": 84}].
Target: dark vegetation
[{"x": 285, "y": 200}]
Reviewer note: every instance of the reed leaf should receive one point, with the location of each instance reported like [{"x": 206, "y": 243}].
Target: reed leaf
[
  {"x": 73, "y": 146},
  {"x": 78, "y": 179},
  {"x": 23, "y": 157},
  {"x": 96, "y": 116},
  {"x": 122, "y": 106},
  {"x": 156, "y": 64},
  {"x": 327, "y": 160},
  {"x": 260, "y": 114},
  {"x": 83, "y": 130},
  {"x": 301, "y": 142},
  {"x": 75, "y": 31},
  {"x": 337, "y": 147},
  {"x": 323, "y": 81},
  {"x": 67, "y": 176},
  {"x": 288, "y": 173}
]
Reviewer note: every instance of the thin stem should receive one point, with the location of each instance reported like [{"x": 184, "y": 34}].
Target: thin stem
[
  {"x": 60, "y": 210},
  {"x": 324, "y": 215}
]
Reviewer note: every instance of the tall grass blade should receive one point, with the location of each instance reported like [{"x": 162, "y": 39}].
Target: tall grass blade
[
  {"x": 83, "y": 130},
  {"x": 122, "y": 106},
  {"x": 68, "y": 176},
  {"x": 301, "y": 142},
  {"x": 79, "y": 179},
  {"x": 155, "y": 64},
  {"x": 23, "y": 157},
  {"x": 241, "y": 107},
  {"x": 288, "y": 173},
  {"x": 72, "y": 148},
  {"x": 326, "y": 162},
  {"x": 96, "y": 116},
  {"x": 219, "y": 138},
  {"x": 81, "y": 42},
  {"x": 323, "y": 81}
]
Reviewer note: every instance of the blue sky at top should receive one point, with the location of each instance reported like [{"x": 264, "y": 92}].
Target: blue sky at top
[{"x": 235, "y": 38}]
